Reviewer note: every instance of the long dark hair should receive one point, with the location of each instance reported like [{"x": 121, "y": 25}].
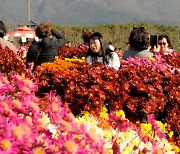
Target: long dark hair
[{"x": 105, "y": 50}]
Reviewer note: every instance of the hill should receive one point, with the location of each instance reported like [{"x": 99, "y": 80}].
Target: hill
[{"x": 91, "y": 12}]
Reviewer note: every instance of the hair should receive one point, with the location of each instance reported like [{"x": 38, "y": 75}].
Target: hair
[
  {"x": 2, "y": 29},
  {"x": 43, "y": 30},
  {"x": 85, "y": 36},
  {"x": 160, "y": 37},
  {"x": 105, "y": 49},
  {"x": 139, "y": 38}
]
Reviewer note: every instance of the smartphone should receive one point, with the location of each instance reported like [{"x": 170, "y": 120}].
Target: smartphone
[{"x": 153, "y": 40}]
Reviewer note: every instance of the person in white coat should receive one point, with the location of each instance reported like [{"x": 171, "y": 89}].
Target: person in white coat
[
  {"x": 99, "y": 52},
  {"x": 4, "y": 43}
]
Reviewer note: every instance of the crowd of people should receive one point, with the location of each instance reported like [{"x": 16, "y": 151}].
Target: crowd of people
[{"x": 46, "y": 48}]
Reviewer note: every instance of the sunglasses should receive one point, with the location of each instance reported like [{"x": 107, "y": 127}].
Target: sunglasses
[{"x": 162, "y": 43}]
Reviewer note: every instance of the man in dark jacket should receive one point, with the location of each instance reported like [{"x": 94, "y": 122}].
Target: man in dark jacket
[{"x": 46, "y": 48}]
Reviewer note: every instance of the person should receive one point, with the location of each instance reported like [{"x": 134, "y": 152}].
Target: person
[
  {"x": 164, "y": 43},
  {"x": 139, "y": 43},
  {"x": 99, "y": 52},
  {"x": 128, "y": 45},
  {"x": 68, "y": 44},
  {"x": 85, "y": 36},
  {"x": 46, "y": 48},
  {"x": 119, "y": 51},
  {"x": 5, "y": 43}
]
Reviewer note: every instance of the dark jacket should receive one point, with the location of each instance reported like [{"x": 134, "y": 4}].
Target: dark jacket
[{"x": 48, "y": 51}]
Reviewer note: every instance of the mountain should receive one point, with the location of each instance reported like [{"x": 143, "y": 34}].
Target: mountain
[{"x": 91, "y": 12}]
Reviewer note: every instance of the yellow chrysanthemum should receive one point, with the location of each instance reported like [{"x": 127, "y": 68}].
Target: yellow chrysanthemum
[
  {"x": 176, "y": 149},
  {"x": 120, "y": 140},
  {"x": 168, "y": 149},
  {"x": 146, "y": 127},
  {"x": 127, "y": 150},
  {"x": 23, "y": 75},
  {"x": 171, "y": 134},
  {"x": 127, "y": 135},
  {"x": 93, "y": 121},
  {"x": 152, "y": 58},
  {"x": 79, "y": 121},
  {"x": 86, "y": 114},
  {"x": 162, "y": 126},
  {"x": 75, "y": 59},
  {"x": 104, "y": 113},
  {"x": 135, "y": 142},
  {"x": 120, "y": 113},
  {"x": 94, "y": 127},
  {"x": 107, "y": 134},
  {"x": 56, "y": 57}
]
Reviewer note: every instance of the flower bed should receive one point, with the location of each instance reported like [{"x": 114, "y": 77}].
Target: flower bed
[
  {"x": 115, "y": 111},
  {"x": 69, "y": 52},
  {"x": 140, "y": 87}
]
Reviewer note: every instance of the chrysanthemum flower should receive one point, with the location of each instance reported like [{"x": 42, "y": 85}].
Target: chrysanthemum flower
[
  {"x": 38, "y": 150},
  {"x": 70, "y": 146},
  {"x": 5, "y": 145}
]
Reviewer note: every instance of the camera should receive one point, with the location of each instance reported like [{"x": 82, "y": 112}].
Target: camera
[{"x": 153, "y": 40}]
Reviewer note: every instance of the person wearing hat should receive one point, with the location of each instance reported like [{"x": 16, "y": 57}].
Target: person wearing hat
[
  {"x": 4, "y": 43},
  {"x": 99, "y": 51}
]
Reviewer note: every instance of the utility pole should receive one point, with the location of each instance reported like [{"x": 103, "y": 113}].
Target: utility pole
[{"x": 29, "y": 13}]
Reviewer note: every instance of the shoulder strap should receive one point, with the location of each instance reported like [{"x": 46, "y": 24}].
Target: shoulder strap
[{"x": 37, "y": 55}]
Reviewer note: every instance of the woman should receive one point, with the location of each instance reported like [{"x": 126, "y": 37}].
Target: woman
[
  {"x": 4, "y": 43},
  {"x": 164, "y": 43},
  {"x": 46, "y": 48},
  {"x": 100, "y": 52}
]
